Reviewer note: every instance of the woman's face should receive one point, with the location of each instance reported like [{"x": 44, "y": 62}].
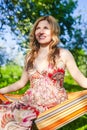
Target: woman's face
[{"x": 43, "y": 33}]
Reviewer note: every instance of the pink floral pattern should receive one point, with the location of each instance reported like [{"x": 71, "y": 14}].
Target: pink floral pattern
[{"x": 46, "y": 91}]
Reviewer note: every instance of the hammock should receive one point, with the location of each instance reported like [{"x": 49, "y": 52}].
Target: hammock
[{"x": 60, "y": 115}]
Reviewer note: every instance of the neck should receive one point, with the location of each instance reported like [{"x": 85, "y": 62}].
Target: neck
[{"x": 44, "y": 49}]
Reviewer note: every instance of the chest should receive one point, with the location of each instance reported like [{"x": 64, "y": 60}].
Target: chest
[{"x": 43, "y": 64}]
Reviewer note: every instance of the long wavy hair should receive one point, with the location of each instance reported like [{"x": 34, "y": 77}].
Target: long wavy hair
[{"x": 35, "y": 46}]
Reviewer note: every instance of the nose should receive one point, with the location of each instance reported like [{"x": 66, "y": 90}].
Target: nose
[{"x": 41, "y": 30}]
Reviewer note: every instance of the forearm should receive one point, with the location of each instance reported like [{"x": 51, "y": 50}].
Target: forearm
[
  {"x": 84, "y": 83},
  {"x": 81, "y": 80},
  {"x": 10, "y": 88}
]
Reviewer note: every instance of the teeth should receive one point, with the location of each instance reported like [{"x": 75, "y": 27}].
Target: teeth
[{"x": 42, "y": 37}]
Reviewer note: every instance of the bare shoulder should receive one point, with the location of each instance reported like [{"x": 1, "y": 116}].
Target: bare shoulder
[
  {"x": 65, "y": 54},
  {"x": 63, "y": 51}
]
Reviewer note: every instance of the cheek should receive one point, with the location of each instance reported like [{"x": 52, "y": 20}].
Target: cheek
[
  {"x": 36, "y": 34},
  {"x": 49, "y": 34}
]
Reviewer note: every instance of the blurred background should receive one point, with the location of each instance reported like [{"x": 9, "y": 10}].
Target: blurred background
[{"x": 16, "y": 20}]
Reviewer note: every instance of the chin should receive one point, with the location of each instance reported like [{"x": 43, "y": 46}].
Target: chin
[{"x": 44, "y": 44}]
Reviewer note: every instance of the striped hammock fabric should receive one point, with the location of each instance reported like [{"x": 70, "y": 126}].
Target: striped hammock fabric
[
  {"x": 64, "y": 113},
  {"x": 60, "y": 115}
]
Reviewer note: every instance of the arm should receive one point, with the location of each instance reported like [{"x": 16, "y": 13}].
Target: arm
[
  {"x": 17, "y": 85},
  {"x": 73, "y": 69}
]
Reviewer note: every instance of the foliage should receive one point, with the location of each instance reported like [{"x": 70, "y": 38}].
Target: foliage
[
  {"x": 78, "y": 124},
  {"x": 3, "y": 56},
  {"x": 10, "y": 74},
  {"x": 20, "y": 15},
  {"x": 81, "y": 59}
]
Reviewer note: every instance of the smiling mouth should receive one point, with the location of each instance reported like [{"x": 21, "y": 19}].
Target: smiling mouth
[{"x": 42, "y": 37}]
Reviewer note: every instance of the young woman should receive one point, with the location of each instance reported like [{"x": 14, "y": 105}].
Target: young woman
[{"x": 44, "y": 67}]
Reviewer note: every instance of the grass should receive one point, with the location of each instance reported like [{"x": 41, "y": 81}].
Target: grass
[
  {"x": 12, "y": 73},
  {"x": 78, "y": 124}
]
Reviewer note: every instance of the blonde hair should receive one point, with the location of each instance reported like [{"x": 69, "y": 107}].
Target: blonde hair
[{"x": 35, "y": 46}]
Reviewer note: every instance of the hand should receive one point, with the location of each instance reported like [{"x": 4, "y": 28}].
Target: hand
[{"x": 3, "y": 99}]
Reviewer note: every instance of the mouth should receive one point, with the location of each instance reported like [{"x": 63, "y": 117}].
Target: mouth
[{"x": 41, "y": 37}]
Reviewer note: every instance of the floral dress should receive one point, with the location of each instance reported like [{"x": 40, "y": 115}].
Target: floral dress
[{"x": 46, "y": 90}]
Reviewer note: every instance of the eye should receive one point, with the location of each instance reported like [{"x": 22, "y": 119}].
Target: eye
[
  {"x": 46, "y": 27},
  {"x": 37, "y": 28}
]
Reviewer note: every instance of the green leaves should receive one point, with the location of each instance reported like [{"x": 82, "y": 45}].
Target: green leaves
[
  {"x": 20, "y": 15},
  {"x": 10, "y": 74}
]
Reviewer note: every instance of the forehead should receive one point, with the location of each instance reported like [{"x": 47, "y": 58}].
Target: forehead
[{"x": 43, "y": 23}]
